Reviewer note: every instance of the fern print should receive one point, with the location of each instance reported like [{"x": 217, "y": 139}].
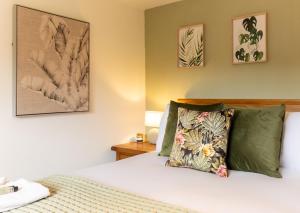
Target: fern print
[{"x": 191, "y": 46}]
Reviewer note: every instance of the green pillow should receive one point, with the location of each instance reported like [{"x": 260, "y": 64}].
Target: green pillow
[
  {"x": 255, "y": 140},
  {"x": 172, "y": 122}
]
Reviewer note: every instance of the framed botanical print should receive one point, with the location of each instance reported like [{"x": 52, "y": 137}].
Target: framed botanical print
[
  {"x": 191, "y": 46},
  {"x": 52, "y": 63},
  {"x": 250, "y": 39}
]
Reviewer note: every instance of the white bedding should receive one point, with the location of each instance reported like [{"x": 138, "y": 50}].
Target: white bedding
[{"x": 147, "y": 175}]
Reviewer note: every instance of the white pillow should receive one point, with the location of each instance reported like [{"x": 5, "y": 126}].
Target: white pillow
[
  {"x": 162, "y": 128},
  {"x": 290, "y": 156}
]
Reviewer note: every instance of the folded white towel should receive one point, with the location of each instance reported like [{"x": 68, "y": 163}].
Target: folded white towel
[
  {"x": 28, "y": 192},
  {"x": 3, "y": 180}
]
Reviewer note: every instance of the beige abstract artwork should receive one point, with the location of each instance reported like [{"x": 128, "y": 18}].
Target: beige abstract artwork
[{"x": 52, "y": 63}]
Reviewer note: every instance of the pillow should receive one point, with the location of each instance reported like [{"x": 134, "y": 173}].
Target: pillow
[
  {"x": 162, "y": 128},
  {"x": 255, "y": 140},
  {"x": 201, "y": 140},
  {"x": 291, "y": 141},
  {"x": 172, "y": 122}
]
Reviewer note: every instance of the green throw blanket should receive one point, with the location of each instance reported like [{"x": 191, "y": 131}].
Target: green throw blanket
[{"x": 75, "y": 194}]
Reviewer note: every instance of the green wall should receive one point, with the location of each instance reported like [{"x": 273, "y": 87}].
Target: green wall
[{"x": 277, "y": 78}]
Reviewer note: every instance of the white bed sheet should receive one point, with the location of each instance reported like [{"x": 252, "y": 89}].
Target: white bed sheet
[{"x": 147, "y": 175}]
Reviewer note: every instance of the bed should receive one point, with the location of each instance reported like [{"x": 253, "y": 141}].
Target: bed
[
  {"x": 146, "y": 175},
  {"x": 187, "y": 190}
]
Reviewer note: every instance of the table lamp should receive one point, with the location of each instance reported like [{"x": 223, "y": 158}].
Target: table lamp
[{"x": 152, "y": 121}]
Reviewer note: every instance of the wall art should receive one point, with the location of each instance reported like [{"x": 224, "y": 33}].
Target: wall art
[
  {"x": 250, "y": 39},
  {"x": 191, "y": 46},
  {"x": 52, "y": 63}
]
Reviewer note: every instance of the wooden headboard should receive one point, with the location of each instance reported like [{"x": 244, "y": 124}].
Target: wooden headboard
[{"x": 292, "y": 105}]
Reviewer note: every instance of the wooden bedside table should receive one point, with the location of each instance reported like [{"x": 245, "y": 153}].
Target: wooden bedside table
[{"x": 127, "y": 150}]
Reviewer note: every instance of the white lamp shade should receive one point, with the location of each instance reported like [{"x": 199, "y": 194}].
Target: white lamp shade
[{"x": 152, "y": 118}]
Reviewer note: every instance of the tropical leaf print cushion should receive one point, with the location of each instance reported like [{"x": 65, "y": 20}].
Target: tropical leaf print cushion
[{"x": 201, "y": 140}]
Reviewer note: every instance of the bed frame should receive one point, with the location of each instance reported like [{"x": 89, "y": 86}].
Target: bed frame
[{"x": 292, "y": 105}]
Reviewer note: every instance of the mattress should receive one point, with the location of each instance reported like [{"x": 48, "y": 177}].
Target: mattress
[{"x": 146, "y": 175}]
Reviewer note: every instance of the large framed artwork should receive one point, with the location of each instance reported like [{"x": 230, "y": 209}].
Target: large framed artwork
[
  {"x": 250, "y": 39},
  {"x": 52, "y": 63},
  {"x": 191, "y": 46}
]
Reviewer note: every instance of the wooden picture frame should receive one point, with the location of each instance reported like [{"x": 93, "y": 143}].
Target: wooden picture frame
[
  {"x": 191, "y": 46},
  {"x": 249, "y": 38},
  {"x": 52, "y": 63}
]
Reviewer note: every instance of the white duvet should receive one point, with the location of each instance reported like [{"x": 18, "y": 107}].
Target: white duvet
[{"x": 147, "y": 175}]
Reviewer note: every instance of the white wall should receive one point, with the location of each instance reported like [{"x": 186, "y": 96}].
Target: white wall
[{"x": 38, "y": 146}]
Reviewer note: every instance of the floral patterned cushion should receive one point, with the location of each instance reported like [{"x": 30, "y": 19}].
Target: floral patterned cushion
[{"x": 201, "y": 140}]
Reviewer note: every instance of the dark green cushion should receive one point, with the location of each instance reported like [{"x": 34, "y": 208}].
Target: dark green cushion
[
  {"x": 172, "y": 122},
  {"x": 255, "y": 140}
]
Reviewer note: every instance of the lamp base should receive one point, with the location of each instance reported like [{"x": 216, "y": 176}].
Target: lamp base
[{"x": 152, "y": 135}]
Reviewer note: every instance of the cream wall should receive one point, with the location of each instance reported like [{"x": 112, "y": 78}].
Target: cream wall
[
  {"x": 38, "y": 146},
  {"x": 278, "y": 78}
]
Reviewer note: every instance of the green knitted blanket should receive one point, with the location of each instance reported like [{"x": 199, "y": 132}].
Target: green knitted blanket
[{"x": 75, "y": 194}]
